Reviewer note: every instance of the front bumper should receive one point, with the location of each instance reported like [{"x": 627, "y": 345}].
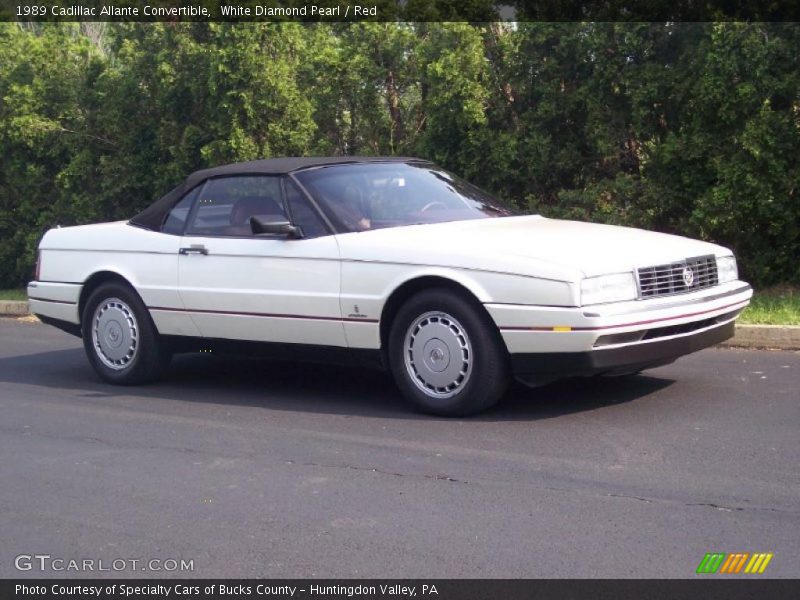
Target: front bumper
[
  {"x": 547, "y": 343},
  {"x": 541, "y": 367}
]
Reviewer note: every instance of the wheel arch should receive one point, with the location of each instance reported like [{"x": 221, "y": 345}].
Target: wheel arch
[
  {"x": 416, "y": 284},
  {"x": 94, "y": 281}
]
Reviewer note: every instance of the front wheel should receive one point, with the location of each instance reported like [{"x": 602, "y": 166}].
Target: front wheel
[
  {"x": 120, "y": 338},
  {"x": 446, "y": 355}
]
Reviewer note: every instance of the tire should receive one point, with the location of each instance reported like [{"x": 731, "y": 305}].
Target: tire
[
  {"x": 119, "y": 336},
  {"x": 446, "y": 355}
]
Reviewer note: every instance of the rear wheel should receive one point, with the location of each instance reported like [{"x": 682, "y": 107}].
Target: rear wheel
[
  {"x": 446, "y": 355},
  {"x": 120, "y": 338}
]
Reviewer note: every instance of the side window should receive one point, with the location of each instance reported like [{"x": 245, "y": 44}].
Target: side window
[
  {"x": 176, "y": 219},
  {"x": 303, "y": 214},
  {"x": 225, "y": 205}
]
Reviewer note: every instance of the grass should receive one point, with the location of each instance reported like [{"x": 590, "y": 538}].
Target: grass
[
  {"x": 774, "y": 306},
  {"x": 13, "y": 295}
]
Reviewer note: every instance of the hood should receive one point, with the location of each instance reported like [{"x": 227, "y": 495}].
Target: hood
[{"x": 525, "y": 245}]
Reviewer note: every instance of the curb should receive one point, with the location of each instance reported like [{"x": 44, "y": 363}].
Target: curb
[
  {"x": 778, "y": 337},
  {"x": 13, "y": 308}
]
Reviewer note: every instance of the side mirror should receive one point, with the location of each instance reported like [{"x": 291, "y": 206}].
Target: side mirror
[{"x": 264, "y": 227}]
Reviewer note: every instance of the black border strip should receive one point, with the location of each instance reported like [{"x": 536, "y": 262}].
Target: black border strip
[
  {"x": 702, "y": 587},
  {"x": 334, "y": 11}
]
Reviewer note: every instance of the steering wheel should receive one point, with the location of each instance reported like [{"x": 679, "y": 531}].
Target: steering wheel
[{"x": 430, "y": 205}]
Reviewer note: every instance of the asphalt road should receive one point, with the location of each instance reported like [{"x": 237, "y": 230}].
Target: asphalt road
[{"x": 253, "y": 468}]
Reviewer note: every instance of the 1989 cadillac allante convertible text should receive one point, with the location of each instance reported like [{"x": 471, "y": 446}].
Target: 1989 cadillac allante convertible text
[{"x": 387, "y": 259}]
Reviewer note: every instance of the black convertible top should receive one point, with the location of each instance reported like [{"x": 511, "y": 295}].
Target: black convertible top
[{"x": 153, "y": 216}]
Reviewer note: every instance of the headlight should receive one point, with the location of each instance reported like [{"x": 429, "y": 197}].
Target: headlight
[
  {"x": 726, "y": 269},
  {"x": 608, "y": 288}
]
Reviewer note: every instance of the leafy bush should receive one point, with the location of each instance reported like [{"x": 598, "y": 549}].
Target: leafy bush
[{"x": 690, "y": 128}]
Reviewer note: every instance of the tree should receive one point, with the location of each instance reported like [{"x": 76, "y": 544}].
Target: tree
[{"x": 691, "y": 128}]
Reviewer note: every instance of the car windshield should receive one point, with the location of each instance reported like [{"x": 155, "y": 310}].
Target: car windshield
[{"x": 377, "y": 195}]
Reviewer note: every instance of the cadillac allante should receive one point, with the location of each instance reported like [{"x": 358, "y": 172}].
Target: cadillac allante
[{"x": 390, "y": 262}]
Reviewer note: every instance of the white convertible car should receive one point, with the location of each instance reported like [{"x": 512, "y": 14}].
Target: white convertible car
[{"x": 391, "y": 261}]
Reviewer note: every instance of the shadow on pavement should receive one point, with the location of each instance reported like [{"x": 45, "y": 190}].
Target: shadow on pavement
[{"x": 305, "y": 387}]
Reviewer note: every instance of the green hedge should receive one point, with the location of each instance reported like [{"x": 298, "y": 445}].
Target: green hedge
[{"x": 690, "y": 128}]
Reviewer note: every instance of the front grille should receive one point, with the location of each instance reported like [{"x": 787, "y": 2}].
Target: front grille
[{"x": 666, "y": 280}]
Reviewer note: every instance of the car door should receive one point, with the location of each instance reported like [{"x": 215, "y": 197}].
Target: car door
[{"x": 269, "y": 288}]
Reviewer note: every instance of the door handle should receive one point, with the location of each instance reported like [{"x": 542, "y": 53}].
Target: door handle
[{"x": 194, "y": 249}]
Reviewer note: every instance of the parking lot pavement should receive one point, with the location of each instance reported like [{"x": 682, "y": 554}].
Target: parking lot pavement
[{"x": 252, "y": 468}]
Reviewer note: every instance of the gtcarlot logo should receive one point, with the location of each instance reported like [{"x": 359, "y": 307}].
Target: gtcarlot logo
[{"x": 46, "y": 562}]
